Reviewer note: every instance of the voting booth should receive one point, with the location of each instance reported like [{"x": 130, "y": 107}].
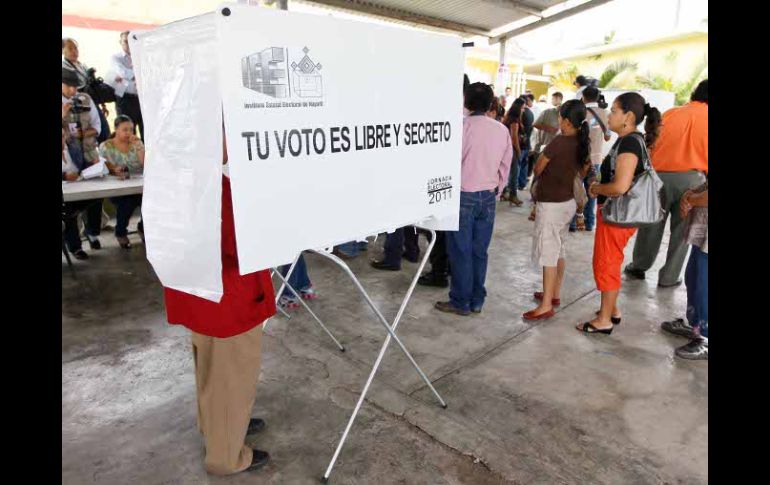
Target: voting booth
[{"x": 335, "y": 130}]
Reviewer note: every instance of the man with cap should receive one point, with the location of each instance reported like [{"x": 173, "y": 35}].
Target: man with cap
[
  {"x": 81, "y": 120},
  {"x": 81, "y": 116}
]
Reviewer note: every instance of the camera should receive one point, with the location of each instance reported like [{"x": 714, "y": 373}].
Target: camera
[
  {"x": 99, "y": 91},
  {"x": 78, "y": 107}
]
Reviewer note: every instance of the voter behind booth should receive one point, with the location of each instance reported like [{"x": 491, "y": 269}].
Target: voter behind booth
[
  {"x": 227, "y": 351},
  {"x": 487, "y": 152},
  {"x": 124, "y": 155}
]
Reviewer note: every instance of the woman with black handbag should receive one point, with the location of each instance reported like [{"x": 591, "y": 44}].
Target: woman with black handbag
[{"x": 618, "y": 170}]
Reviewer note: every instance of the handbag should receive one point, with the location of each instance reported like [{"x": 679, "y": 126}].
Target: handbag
[
  {"x": 642, "y": 204},
  {"x": 579, "y": 191}
]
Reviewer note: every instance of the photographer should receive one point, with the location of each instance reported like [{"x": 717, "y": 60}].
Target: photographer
[
  {"x": 82, "y": 116},
  {"x": 86, "y": 81}
]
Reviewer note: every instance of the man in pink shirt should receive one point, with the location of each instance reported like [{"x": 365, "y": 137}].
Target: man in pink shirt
[{"x": 487, "y": 154}]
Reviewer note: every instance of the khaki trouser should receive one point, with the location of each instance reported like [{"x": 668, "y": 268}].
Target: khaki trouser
[
  {"x": 649, "y": 238},
  {"x": 226, "y": 375}
]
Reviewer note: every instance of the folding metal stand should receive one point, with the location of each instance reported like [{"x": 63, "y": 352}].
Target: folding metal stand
[{"x": 391, "y": 335}]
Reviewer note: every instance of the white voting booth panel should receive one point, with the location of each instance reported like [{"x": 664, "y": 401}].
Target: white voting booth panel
[
  {"x": 176, "y": 73},
  {"x": 336, "y": 130}
]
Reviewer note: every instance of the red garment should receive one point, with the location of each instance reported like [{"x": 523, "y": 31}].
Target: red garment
[
  {"x": 609, "y": 244},
  {"x": 246, "y": 302}
]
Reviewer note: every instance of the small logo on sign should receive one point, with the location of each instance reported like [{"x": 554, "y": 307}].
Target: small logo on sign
[
  {"x": 269, "y": 72},
  {"x": 439, "y": 189}
]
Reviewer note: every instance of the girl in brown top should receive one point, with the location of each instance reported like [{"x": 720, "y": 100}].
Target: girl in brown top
[{"x": 561, "y": 161}]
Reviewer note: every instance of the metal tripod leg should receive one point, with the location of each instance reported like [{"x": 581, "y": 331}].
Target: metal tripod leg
[
  {"x": 391, "y": 334},
  {"x": 302, "y": 302}
]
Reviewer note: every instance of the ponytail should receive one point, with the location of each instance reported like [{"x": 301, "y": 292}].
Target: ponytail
[
  {"x": 652, "y": 124},
  {"x": 602, "y": 102},
  {"x": 642, "y": 110},
  {"x": 584, "y": 144},
  {"x": 574, "y": 111}
]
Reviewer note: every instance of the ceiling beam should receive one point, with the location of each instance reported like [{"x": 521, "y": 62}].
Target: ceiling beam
[
  {"x": 517, "y": 5},
  {"x": 369, "y": 8},
  {"x": 548, "y": 20}
]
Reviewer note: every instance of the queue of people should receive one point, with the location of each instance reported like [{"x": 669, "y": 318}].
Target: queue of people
[{"x": 572, "y": 184}]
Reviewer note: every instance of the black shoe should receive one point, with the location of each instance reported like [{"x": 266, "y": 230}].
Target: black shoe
[
  {"x": 447, "y": 307},
  {"x": 384, "y": 266},
  {"x": 80, "y": 254},
  {"x": 679, "y": 327},
  {"x": 342, "y": 255},
  {"x": 94, "y": 243},
  {"x": 255, "y": 426},
  {"x": 669, "y": 285},
  {"x": 614, "y": 320},
  {"x": 588, "y": 328},
  {"x": 429, "y": 279},
  {"x": 634, "y": 273},
  {"x": 697, "y": 349},
  {"x": 476, "y": 311},
  {"x": 415, "y": 259},
  {"x": 258, "y": 460}
]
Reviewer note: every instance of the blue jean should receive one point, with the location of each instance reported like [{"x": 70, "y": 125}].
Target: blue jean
[
  {"x": 352, "y": 248},
  {"x": 299, "y": 279},
  {"x": 513, "y": 176},
  {"x": 696, "y": 278},
  {"x": 467, "y": 249},
  {"x": 523, "y": 168},
  {"x": 125, "y": 206}
]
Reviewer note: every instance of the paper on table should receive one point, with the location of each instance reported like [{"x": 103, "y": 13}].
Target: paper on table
[{"x": 96, "y": 170}]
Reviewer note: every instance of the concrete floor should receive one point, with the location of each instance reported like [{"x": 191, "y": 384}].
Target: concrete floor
[{"x": 539, "y": 404}]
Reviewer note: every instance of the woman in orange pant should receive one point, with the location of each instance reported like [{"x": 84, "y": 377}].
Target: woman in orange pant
[{"x": 628, "y": 111}]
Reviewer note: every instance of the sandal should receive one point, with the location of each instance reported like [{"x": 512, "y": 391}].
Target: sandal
[
  {"x": 614, "y": 320},
  {"x": 532, "y": 215},
  {"x": 588, "y": 328},
  {"x": 580, "y": 222}
]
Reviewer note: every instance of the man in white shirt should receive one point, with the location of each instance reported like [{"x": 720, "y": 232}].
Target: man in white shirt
[
  {"x": 581, "y": 82},
  {"x": 123, "y": 81}
]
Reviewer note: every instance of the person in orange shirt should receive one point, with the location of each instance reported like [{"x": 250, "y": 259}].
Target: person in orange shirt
[{"x": 680, "y": 156}]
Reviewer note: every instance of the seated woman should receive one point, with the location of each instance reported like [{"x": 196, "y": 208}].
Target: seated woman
[
  {"x": 556, "y": 168},
  {"x": 71, "y": 166},
  {"x": 124, "y": 155}
]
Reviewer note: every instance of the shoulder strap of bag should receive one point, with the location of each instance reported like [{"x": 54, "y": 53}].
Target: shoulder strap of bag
[
  {"x": 598, "y": 120},
  {"x": 645, "y": 154}
]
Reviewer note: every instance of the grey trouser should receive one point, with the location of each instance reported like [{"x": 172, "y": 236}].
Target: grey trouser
[{"x": 648, "y": 239}]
